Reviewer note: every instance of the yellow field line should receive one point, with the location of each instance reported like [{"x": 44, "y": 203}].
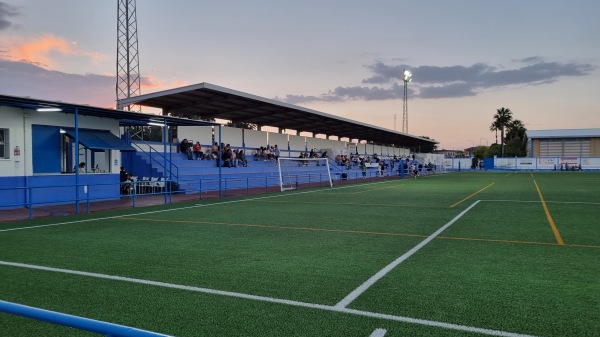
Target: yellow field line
[
  {"x": 344, "y": 203},
  {"x": 360, "y": 232},
  {"x": 376, "y": 189},
  {"x": 278, "y": 227},
  {"x": 467, "y": 198},
  {"x": 559, "y": 239}
]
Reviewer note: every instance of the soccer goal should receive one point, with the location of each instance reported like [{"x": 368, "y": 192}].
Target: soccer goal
[{"x": 294, "y": 172}]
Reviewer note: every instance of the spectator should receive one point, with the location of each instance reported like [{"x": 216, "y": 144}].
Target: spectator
[
  {"x": 197, "y": 149},
  {"x": 266, "y": 153},
  {"x": 232, "y": 154},
  {"x": 186, "y": 148},
  {"x": 226, "y": 158},
  {"x": 276, "y": 154},
  {"x": 241, "y": 157},
  {"x": 125, "y": 179},
  {"x": 363, "y": 168},
  {"x": 215, "y": 151},
  {"x": 257, "y": 153}
]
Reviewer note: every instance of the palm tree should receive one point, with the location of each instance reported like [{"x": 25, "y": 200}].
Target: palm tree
[
  {"x": 515, "y": 129},
  {"x": 502, "y": 119},
  {"x": 495, "y": 127}
]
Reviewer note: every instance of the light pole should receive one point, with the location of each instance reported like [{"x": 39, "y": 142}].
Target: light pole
[
  {"x": 406, "y": 77},
  {"x": 472, "y": 147}
]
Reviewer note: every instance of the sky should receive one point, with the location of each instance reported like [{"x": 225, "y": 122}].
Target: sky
[{"x": 538, "y": 58}]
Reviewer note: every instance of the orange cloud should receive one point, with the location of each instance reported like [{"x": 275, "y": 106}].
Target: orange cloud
[
  {"x": 38, "y": 50},
  {"x": 152, "y": 84}
]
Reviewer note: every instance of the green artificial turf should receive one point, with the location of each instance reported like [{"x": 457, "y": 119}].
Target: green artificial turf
[{"x": 498, "y": 266}]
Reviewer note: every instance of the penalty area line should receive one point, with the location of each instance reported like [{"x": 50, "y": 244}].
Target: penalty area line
[{"x": 380, "y": 274}]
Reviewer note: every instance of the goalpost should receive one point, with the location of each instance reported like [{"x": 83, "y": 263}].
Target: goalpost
[{"x": 297, "y": 171}]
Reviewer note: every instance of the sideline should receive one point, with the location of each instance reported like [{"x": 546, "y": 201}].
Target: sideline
[
  {"x": 380, "y": 274},
  {"x": 403, "y": 319},
  {"x": 187, "y": 207},
  {"x": 557, "y": 236}
]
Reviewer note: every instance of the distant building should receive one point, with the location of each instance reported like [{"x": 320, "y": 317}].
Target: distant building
[
  {"x": 563, "y": 142},
  {"x": 451, "y": 153}
]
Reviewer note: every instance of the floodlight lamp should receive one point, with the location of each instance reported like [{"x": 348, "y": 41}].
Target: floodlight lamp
[
  {"x": 155, "y": 124},
  {"x": 48, "y": 109},
  {"x": 407, "y": 76}
]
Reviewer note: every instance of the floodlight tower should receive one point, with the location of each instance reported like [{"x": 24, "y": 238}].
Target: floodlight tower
[
  {"x": 128, "y": 67},
  {"x": 406, "y": 77}
]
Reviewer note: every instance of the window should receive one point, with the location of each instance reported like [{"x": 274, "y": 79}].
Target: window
[{"x": 4, "y": 146}]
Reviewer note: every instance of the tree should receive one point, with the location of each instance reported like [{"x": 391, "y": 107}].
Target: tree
[
  {"x": 495, "y": 127},
  {"x": 479, "y": 152},
  {"x": 515, "y": 129},
  {"x": 502, "y": 120},
  {"x": 493, "y": 150}
]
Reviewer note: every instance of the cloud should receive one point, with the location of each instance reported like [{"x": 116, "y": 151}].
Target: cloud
[
  {"x": 47, "y": 51},
  {"x": 151, "y": 83},
  {"x": 6, "y": 13},
  {"x": 431, "y": 82},
  {"x": 28, "y": 79},
  {"x": 20, "y": 78}
]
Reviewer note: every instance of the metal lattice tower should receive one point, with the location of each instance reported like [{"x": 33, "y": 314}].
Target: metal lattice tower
[{"x": 128, "y": 67}]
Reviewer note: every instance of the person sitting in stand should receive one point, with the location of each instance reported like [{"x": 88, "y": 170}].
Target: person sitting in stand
[
  {"x": 256, "y": 154},
  {"x": 266, "y": 154},
  {"x": 226, "y": 158},
  {"x": 186, "y": 148},
  {"x": 232, "y": 154},
  {"x": 215, "y": 151},
  {"x": 241, "y": 157},
  {"x": 197, "y": 149},
  {"x": 125, "y": 179}
]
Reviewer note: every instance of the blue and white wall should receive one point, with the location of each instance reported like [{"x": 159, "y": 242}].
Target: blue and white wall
[{"x": 41, "y": 160}]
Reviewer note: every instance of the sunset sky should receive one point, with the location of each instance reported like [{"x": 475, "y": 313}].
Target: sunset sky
[{"x": 539, "y": 58}]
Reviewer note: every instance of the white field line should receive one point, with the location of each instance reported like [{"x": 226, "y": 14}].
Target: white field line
[
  {"x": 368, "y": 283},
  {"x": 187, "y": 207},
  {"x": 329, "y": 308},
  {"x": 378, "y": 333},
  {"x": 547, "y": 201}
]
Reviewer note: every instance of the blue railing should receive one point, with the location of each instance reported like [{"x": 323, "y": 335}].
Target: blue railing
[
  {"x": 81, "y": 323},
  {"x": 173, "y": 176},
  {"x": 91, "y": 192}
]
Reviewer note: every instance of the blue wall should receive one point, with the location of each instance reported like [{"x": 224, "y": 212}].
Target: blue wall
[
  {"x": 55, "y": 189},
  {"x": 46, "y": 148}
]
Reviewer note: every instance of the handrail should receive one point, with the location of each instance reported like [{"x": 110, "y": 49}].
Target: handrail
[
  {"x": 171, "y": 176},
  {"x": 77, "y": 322}
]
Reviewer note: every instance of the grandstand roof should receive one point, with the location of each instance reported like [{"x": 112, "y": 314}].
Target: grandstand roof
[
  {"x": 126, "y": 118},
  {"x": 563, "y": 133},
  {"x": 208, "y": 101}
]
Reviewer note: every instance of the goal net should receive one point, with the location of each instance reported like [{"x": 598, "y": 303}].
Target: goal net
[{"x": 295, "y": 172}]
